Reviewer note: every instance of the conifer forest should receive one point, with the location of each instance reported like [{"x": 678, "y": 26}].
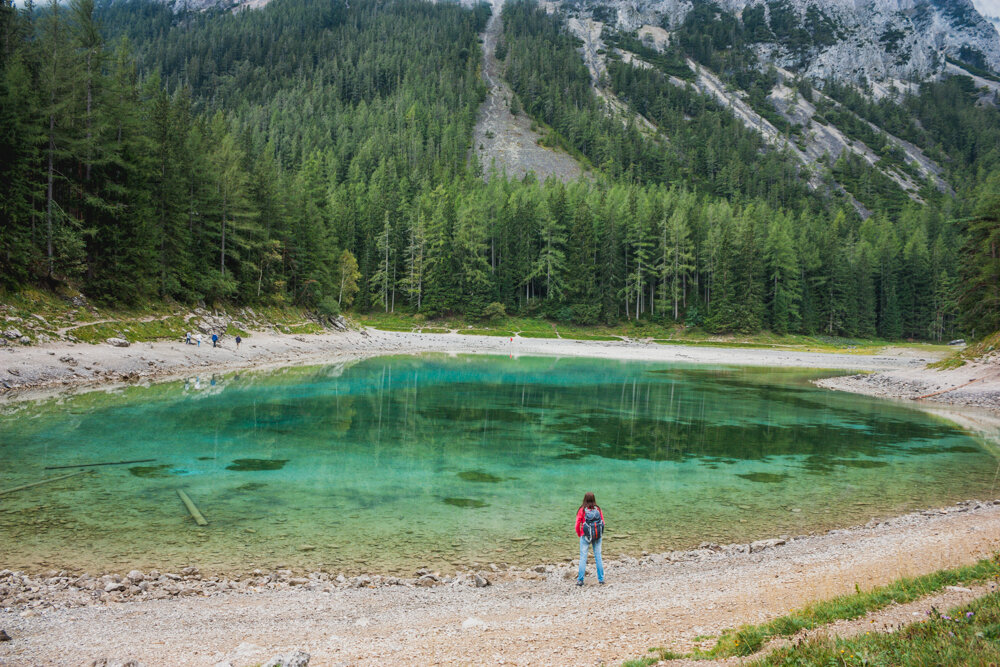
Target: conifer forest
[{"x": 317, "y": 153}]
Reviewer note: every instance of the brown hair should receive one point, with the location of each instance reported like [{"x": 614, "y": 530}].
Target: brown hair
[{"x": 588, "y": 500}]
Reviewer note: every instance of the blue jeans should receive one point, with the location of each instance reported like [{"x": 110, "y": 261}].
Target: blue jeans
[{"x": 597, "y": 558}]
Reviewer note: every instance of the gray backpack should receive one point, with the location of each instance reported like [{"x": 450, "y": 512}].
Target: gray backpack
[{"x": 593, "y": 524}]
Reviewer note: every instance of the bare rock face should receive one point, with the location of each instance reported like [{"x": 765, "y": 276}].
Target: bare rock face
[{"x": 118, "y": 342}]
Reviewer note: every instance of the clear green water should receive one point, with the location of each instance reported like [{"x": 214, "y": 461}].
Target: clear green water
[{"x": 393, "y": 463}]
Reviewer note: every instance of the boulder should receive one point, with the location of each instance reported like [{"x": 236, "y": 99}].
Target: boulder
[
  {"x": 481, "y": 581},
  {"x": 295, "y": 659},
  {"x": 118, "y": 342},
  {"x": 24, "y": 340},
  {"x": 760, "y": 545},
  {"x": 12, "y": 334},
  {"x": 4, "y": 637}
]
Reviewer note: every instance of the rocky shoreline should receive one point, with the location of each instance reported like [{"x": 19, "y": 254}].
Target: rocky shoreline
[
  {"x": 30, "y": 594},
  {"x": 973, "y": 385}
]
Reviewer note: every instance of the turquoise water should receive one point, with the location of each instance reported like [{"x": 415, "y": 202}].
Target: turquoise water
[{"x": 393, "y": 463}]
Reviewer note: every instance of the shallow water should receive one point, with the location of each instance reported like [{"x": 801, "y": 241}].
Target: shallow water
[{"x": 394, "y": 463}]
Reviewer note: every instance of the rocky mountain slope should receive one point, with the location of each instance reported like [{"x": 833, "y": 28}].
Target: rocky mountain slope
[{"x": 876, "y": 40}]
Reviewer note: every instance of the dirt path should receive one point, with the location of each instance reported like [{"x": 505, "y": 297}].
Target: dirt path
[
  {"x": 504, "y": 139},
  {"x": 664, "y": 600},
  {"x": 149, "y": 318}
]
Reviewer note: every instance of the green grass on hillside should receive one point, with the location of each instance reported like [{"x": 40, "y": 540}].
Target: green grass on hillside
[
  {"x": 968, "y": 635},
  {"x": 749, "y": 639},
  {"x": 38, "y": 313},
  {"x": 978, "y": 349}
]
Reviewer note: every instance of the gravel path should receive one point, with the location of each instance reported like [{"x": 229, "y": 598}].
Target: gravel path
[{"x": 522, "y": 619}]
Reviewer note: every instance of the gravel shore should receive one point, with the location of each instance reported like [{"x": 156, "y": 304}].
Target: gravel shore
[
  {"x": 975, "y": 384},
  {"x": 64, "y": 366},
  {"x": 526, "y": 617}
]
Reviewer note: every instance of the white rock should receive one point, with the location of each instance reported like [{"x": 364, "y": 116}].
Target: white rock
[
  {"x": 118, "y": 342},
  {"x": 473, "y": 623},
  {"x": 362, "y": 622}
]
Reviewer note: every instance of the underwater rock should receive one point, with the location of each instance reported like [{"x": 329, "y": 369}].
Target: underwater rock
[
  {"x": 254, "y": 465},
  {"x": 764, "y": 477},
  {"x": 468, "y": 503},
  {"x": 479, "y": 476},
  {"x": 156, "y": 471}
]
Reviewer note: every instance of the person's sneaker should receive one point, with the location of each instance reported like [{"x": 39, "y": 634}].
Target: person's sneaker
[
  {"x": 579, "y": 583},
  {"x": 601, "y": 583}
]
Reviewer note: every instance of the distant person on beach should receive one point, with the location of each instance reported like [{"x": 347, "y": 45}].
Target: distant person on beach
[
  {"x": 238, "y": 341},
  {"x": 215, "y": 339},
  {"x": 187, "y": 339},
  {"x": 198, "y": 338},
  {"x": 590, "y": 529}
]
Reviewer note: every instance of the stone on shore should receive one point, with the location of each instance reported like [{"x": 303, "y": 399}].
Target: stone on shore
[{"x": 296, "y": 659}]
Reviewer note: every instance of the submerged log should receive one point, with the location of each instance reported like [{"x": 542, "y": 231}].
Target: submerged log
[
  {"x": 44, "y": 481},
  {"x": 92, "y": 465},
  {"x": 199, "y": 518}
]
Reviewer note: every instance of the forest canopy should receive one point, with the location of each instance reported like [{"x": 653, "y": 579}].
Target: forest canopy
[{"x": 150, "y": 155}]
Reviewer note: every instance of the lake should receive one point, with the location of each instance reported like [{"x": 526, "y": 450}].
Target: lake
[{"x": 393, "y": 463}]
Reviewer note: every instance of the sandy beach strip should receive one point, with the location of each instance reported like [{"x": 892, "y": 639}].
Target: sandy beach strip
[{"x": 63, "y": 366}]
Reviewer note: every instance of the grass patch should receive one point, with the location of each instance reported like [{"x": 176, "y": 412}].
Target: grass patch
[
  {"x": 657, "y": 655},
  {"x": 300, "y": 328},
  {"x": 486, "y": 332},
  {"x": 968, "y": 635},
  {"x": 971, "y": 353},
  {"x": 749, "y": 638},
  {"x": 538, "y": 334},
  {"x": 134, "y": 331},
  {"x": 582, "y": 336}
]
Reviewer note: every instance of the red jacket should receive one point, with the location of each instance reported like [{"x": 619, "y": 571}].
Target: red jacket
[{"x": 579, "y": 520}]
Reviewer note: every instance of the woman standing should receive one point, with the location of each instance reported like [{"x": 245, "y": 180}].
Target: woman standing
[{"x": 590, "y": 529}]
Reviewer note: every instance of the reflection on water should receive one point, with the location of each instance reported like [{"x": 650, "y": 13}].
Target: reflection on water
[{"x": 394, "y": 463}]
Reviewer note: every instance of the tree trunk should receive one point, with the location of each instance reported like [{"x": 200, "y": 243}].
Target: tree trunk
[
  {"x": 222, "y": 252},
  {"x": 48, "y": 196}
]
